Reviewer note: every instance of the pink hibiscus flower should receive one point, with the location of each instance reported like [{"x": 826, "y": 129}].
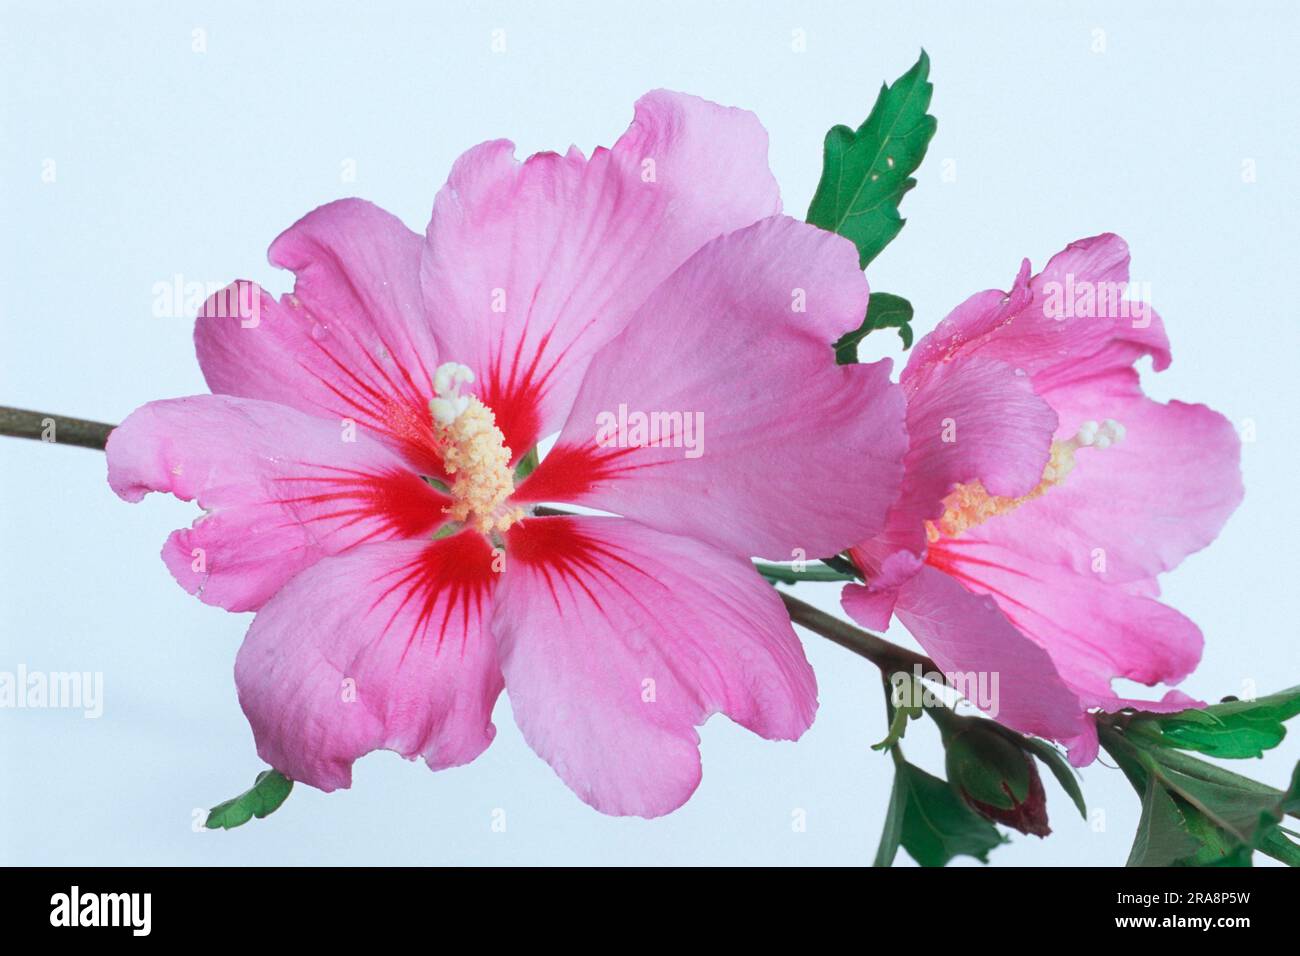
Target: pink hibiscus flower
[
  {"x": 1043, "y": 495},
  {"x": 356, "y": 463}
]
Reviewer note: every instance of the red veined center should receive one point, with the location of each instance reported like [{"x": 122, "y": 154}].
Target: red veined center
[{"x": 474, "y": 454}]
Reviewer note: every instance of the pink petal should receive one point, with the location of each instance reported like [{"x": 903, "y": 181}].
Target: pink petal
[
  {"x": 968, "y": 634},
  {"x": 617, "y": 641},
  {"x": 720, "y": 345},
  {"x": 530, "y": 268},
  {"x": 1031, "y": 329},
  {"x": 380, "y": 648},
  {"x": 352, "y": 341},
  {"x": 974, "y": 420},
  {"x": 280, "y": 490},
  {"x": 1141, "y": 505},
  {"x": 872, "y": 605},
  {"x": 1094, "y": 632}
]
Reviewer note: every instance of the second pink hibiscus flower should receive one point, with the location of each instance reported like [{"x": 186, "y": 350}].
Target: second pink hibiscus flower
[{"x": 1044, "y": 494}]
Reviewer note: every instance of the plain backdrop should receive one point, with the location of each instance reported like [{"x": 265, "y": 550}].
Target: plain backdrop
[{"x": 1171, "y": 124}]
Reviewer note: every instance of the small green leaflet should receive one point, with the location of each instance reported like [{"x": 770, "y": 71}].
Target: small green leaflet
[
  {"x": 884, "y": 311},
  {"x": 898, "y": 726},
  {"x": 1235, "y": 729},
  {"x": 932, "y": 822},
  {"x": 866, "y": 173},
  {"x": 269, "y": 790}
]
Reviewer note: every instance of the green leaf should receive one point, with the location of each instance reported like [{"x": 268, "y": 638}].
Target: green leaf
[
  {"x": 1162, "y": 836},
  {"x": 527, "y": 465},
  {"x": 884, "y": 311},
  {"x": 1273, "y": 838},
  {"x": 938, "y": 824},
  {"x": 1278, "y": 844},
  {"x": 269, "y": 790},
  {"x": 1235, "y": 811},
  {"x": 866, "y": 173},
  {"x": 1234, "y": 729},
  {"x": 893, "y": 832},
  {"x": 1197, "y": 814},
  {"x": 1173, "y": 832},
  {"x": 1060, "y": 768}
]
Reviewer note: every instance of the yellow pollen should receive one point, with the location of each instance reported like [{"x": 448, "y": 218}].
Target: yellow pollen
[
  {"x": 476, "y": 458},
  {"x": 968, "y": 505}
]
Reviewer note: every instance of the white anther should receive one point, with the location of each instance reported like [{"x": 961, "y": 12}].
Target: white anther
[
  {"x": 450, "y": 404},
  {"x": 1094, "y": 435},
  {"x": 443, "y": 410},
  {"x": 449, "y": 377}
]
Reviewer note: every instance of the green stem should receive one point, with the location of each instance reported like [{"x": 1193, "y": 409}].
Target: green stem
[
  {"x": 785, "y": 574},
  {"x": 55, "y": 429},
  {"x": 844, "y": 566},
  {"x": 887, "y": 656}
]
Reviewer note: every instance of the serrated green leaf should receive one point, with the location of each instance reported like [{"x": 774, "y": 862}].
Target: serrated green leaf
[
  {"x": 884, "y": 311},
  {"x": 269, "y": 791},
  {"x": 938, "y": 824},
  {"x": 1235, "y": 729},
  {"x": 865, "y": 173}
]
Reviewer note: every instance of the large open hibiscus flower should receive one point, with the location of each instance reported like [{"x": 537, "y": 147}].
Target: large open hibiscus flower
[
  {"x": 1045, "y": 493},
  {"x": 356, "y": 462}
]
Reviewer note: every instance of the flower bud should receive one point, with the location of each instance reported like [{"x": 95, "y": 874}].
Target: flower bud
[{"x": 997, "y": 778}]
